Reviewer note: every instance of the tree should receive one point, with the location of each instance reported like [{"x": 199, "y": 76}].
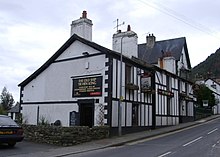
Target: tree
[
  {"x": 2, "y": 111},
  {"x": 204, "y": 93},
  {"x": 7, "y": 99}
]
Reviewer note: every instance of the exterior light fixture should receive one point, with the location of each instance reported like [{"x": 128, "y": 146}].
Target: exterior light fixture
[{"x": 85, "y": 53}]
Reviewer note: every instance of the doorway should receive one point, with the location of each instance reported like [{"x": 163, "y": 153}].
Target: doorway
[
  {"x": 134, "y": 114},
  {"x": 86, "y": 111}
]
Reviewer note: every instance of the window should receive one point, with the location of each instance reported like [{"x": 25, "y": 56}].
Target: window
[
  {"x": 186, "y": 88},
  {"x": 169, "y": 83},
  {"x": 128, "y": 74},
  {"x": 169, "y": 106}
]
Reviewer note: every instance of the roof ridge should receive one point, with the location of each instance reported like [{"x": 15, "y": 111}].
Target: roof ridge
[{"x": 167, "y": 40}]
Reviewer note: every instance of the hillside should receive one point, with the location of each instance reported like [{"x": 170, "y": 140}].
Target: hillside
[{"x": 210, "y": 68}]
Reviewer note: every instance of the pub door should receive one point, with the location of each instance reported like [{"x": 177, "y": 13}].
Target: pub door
[{"x": 86, "y": 111}]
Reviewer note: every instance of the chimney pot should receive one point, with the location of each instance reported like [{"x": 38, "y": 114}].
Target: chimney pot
[
  {"x": 129, "y": 28},
  {"x": 84, "y": 14},
  {"x": 82, "y": 27},
  {"x": 151, "y": 39}
]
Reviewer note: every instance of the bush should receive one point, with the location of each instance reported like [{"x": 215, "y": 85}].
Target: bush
[
  {"x": 43, "y": 121},
  {"x": 2, "y": 111}
]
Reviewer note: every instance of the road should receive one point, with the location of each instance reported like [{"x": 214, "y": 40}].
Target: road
[
  {"x": 199, "y": 141},
  {"x": 23, "y": 147}
]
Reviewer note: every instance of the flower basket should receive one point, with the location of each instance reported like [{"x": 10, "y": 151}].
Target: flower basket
[
  {"x": 132, "y": 86},
  {"x": 147, "y": 90}
]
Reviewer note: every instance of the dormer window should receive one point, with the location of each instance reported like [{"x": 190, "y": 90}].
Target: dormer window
[{"x": 182, "y": 58}]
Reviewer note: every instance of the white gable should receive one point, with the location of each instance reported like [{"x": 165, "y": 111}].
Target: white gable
[
  {"x": 75, "y": 50},
  {"x": 183, "y": 61}
]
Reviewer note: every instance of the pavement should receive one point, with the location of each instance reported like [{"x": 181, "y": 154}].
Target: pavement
[{"x": 114, "y": 141}]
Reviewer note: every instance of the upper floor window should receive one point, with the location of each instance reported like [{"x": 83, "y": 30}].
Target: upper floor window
[
  {"x": 186, "y": 88},
  {"x": 169, "y": 82},
  {"x": 182, "y": 58},
  {"x": 128, "y": 74}
]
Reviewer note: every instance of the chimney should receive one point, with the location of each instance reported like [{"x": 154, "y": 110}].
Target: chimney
[
  {"x": 150, "y": 41},
  {"x": 125, "y": 41},
  {"x": 167, "y": 62},
  {"x": 84, "y": 14},
  {"x": 82, "y": 27},
  {"x": 129, "y": 28}
]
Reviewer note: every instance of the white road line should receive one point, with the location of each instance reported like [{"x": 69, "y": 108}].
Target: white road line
[
  {"x": 213, "y": 145},
  {"x": 192, "y": 141},
  {"x": 164, "y": 154},
  {"x": 212, "y": 131}
]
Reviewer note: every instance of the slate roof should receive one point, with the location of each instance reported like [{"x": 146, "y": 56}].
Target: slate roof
[
  {"x": 173, "y": 46},
  {"x": 14, "y": 109}
]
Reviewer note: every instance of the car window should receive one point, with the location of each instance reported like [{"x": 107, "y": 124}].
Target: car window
[{"x": 6, "y": 121}]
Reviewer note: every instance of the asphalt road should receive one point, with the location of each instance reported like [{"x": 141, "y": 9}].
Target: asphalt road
[
  {"x": 199, "y": 141},
  {"x": 23, "y": 147}
]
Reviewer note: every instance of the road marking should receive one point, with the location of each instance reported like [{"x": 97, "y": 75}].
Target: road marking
[
  {"x": 164, "y": 154},
  {"x": 169, "y": 133},
  {"x": 192, "y": 141},
  {"x": 213, "y": 145},
  {"x": 212, "y": 131}
]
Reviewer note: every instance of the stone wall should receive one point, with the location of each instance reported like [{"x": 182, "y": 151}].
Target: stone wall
[{"x": 64, "y": 136}]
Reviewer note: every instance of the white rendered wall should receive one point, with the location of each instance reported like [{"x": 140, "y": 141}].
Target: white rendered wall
[
  {"x": 55, "y": 83},
  {"x": 51, "y": 113}
]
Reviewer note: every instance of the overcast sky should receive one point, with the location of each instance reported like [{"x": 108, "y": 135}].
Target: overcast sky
[{"x": 31, "y": 31}]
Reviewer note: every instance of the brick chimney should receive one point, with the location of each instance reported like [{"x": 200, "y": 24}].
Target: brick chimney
[
  {"x": 150, "y": 41},
  {"x": 129, "y": 45},
  {"x": 82, "y": 27}
]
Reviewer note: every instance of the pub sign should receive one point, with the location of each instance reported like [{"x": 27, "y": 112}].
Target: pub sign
[{"x": 87, "y": 87}]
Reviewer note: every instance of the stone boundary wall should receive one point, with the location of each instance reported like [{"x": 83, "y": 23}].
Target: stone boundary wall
[{"x": 64, "y": 136}]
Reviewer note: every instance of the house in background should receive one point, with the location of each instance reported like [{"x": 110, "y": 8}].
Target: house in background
[
  {"x": 84, "y": 84},
  {"x": 14, "y": 112},
  {"x": 214, "y": 86}
]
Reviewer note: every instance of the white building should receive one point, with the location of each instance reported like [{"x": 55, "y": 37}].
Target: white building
[
  {"x": 80, "y": 85},
  {"x": 214, "y": 86}
]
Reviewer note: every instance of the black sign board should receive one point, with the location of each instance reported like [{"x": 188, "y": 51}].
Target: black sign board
[
  {"x": 74, "y": 118},
  {"x": 87, "y": 87}
]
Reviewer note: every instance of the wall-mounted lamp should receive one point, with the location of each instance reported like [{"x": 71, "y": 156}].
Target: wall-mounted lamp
[{"x": 85, "y": 53}]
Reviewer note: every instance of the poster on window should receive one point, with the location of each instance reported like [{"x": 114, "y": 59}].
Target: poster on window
[{"x": 87, "y": 87}]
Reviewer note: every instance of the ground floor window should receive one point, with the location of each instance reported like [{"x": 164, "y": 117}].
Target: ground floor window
[{"x": 135, "y": 114}]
